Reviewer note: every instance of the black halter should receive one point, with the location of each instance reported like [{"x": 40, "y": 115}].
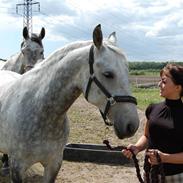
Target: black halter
[{"x": 111, "y": 100}]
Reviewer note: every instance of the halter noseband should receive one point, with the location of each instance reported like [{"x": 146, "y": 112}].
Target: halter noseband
[{"x": 111, "y": 100}]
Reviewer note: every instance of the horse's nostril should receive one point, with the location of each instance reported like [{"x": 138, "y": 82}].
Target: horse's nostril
[{"x": 130, "y": 128}]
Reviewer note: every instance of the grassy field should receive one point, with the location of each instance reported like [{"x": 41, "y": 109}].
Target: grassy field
[
  {"x": 146, "y": 96},
  {"x": 149, "y": 72}
]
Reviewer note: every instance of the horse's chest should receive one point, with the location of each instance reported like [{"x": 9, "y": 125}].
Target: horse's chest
[{"x": 44, "y": 131}]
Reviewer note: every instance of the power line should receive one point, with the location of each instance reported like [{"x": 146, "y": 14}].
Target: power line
[
  {"x": 6, "y": 8},
  {"x": 75, "y": 28},
  {"x": 56, "y": 21}
]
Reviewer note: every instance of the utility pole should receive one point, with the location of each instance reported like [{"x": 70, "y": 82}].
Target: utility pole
[{"x": 27, "y": 13}]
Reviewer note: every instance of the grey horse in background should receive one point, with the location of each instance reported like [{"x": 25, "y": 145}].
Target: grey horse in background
[{"x": 31, "y": 52}]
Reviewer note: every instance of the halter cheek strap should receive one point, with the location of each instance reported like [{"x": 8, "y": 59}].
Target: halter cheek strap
[{"x": 111, "y": 100}]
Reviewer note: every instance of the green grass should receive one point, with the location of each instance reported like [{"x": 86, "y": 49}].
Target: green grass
[
  {"x": 149, "y": 72},
  {"x": 146, "y": 96}
]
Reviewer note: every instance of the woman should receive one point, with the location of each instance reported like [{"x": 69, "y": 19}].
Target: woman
[{"x": 164, "y": 127}]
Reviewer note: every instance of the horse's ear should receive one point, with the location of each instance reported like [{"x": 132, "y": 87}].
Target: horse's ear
[
  {"x": 97, "y": 36},
  {"x": 25, "y": 33},
  {"x": 42, "y": 33},
  {"x": 112, "y": 38}
]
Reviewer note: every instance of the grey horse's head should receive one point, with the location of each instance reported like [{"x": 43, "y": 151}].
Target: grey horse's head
[
  {"x": 107, "y": 85},
  {"x": 32, "y": 49}
]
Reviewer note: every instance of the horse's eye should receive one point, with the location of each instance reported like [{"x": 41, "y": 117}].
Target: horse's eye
[{"x": 108, "y": 74}]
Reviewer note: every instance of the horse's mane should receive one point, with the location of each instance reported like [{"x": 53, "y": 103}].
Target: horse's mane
[
  {"x": 65, "y": 50},
  {"x": 72, "y": 46}
]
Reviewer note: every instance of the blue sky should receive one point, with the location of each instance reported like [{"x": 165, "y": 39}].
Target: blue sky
[{"x": 147, "y": 30}]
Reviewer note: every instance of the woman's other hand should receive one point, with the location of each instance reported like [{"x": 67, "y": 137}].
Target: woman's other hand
[{"x": 127, "y": 152}]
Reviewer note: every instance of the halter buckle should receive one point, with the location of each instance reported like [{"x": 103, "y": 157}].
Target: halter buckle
[
  {"x": 108, "y": 122},
  {"x": 111, "y": 100},
  {"x": 92, "y": 76}
]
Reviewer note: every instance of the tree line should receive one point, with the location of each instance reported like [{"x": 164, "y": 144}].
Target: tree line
[{"x": 149, "y": 65}]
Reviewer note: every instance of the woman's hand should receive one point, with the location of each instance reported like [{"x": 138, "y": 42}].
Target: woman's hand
[
  {"x": 153, "y": 156},
  {"x": 127, "y": 152}
]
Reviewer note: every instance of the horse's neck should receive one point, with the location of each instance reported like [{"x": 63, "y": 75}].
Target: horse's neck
[
  {"x": 63, "y": 84},
  {"x": 14, "y": 63}
]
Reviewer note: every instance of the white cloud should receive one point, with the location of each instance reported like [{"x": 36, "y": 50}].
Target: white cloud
[
  {"x": 140, "y": 24},
  {"x": 169, "y": 24}
]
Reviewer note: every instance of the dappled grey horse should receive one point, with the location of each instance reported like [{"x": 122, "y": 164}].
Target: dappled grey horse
[
  {"x": 33, "y": 112},
  {"x": 2, "y": 62},
  {"x": 31, "y": 52}
]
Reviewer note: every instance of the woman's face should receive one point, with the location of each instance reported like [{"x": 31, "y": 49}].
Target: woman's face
[{"x": 167, "y": 87}]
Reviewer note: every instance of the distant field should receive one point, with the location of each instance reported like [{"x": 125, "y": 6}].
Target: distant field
[
  {"x": 144, "y": 80},
  {"x": 145, "y": 89},
  {"x": 146, "y": 96}
]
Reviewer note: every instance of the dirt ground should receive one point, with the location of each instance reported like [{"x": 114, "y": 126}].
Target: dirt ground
[{"x": 83, "y": 132}]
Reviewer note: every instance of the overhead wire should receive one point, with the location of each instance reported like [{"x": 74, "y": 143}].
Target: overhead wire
[
  {"x": 56, "y": 21},
  {"x": 78, "y": 30},
  {"x": 7, "y": 10},
  {"x": 113, "y": 27},
  {"x": 72, "y": 25}
]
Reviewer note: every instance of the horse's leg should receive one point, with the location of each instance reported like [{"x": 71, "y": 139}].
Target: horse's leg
[
  {"x": 53, "y": 164},
  {"x": 51, "y": 170},
  {"x": 5, "y": 166},
  {"x": 16, "y": 171}
]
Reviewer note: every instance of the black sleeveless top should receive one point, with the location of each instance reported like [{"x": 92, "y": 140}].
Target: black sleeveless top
[{"x": 166, "y": 130}]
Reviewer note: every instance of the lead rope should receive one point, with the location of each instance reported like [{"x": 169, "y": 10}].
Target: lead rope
[
  {"x": 155, "y": 170},
  {"x": 135, "y": 160}
]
